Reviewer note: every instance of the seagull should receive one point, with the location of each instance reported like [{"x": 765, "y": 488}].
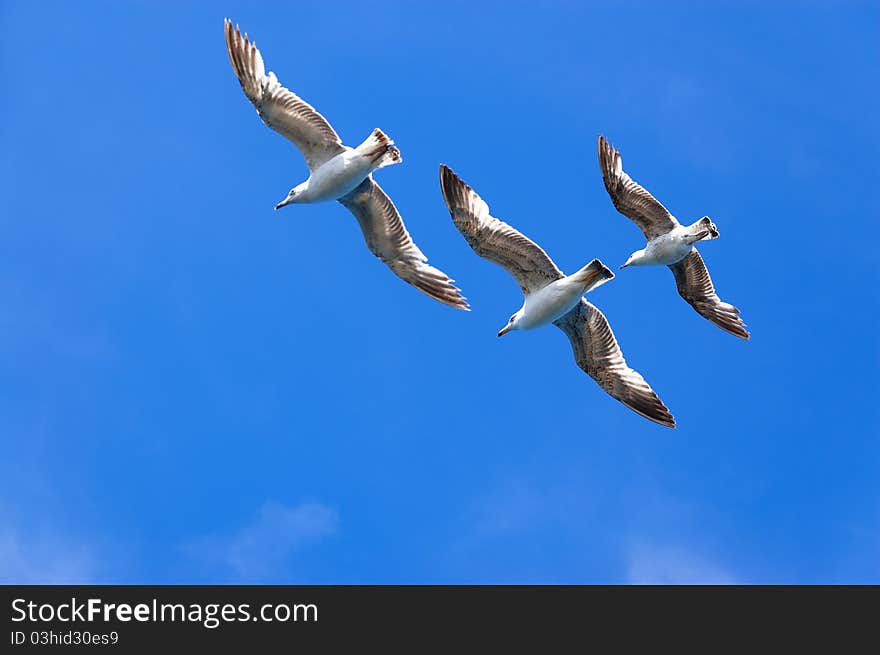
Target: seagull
[
  {"x": 553, "y": 297},
  {"x": 669, "y": 242},
  {"x": 338, "y": 172}
]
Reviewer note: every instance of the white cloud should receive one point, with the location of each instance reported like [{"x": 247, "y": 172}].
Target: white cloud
[
  {"x": 666, "y": 564},
  {"x": 262, "y": 550},
  {"x": 43, "y": 559}
]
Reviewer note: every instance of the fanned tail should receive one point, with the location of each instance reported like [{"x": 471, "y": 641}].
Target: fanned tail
[
  {"x": 380, "y": 148},
  {"x": 593, "y": 275}
]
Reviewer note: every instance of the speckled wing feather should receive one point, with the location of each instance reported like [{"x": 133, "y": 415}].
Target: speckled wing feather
[
  {"x": 596, "y": 351},
  {"x": 494, "y": 239},
  {"x": 281, "y": 109},
  {"x": 695, "y": 286},
  {"x": 630, "y": 198},
  {"x": 388, "y": 239}
]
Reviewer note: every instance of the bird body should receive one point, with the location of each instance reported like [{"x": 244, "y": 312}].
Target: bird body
[
  {"x": 667, "y": 249},
  {"x": 669, "y": 242},
  {"x": 339, "y": 172},
  {"x": 334, "y": 179},
  {"x": 671, "y": 247},
  {"x": 552, "y": 297},
  {"x": 558, "y": 298}
]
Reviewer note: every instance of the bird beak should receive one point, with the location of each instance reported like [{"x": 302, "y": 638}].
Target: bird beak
[
  {"x": 281, "y": 204},
  {"x": 623, "y": 266},
  {"x": 504, "y": 330}
]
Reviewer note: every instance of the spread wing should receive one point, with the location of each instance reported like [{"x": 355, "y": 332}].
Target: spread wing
[
  {"x": 494, "y": 239},
  {"x": 630, "y": 198},
  {"x": 387, "y": 238},
  {"x": 695, "y": 286},
  {"x": 281, "y": 109},
  {"x": 597, "y": 353}
]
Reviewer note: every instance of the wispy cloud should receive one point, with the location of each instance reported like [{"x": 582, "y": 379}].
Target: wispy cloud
[
  {"x": 43, "y": 559},
  {"x": 673, "y": 564},
  {"x": 263, "y": 549}
]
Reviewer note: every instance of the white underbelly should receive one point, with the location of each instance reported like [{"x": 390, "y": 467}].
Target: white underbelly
[
  {"x": 550, "y": 303},
  {"x": 338, "y": 176},
  {"x": 667, "y": 250}
]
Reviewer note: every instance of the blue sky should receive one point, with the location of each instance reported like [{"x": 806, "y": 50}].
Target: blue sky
[{"x": 195, "y": 388}]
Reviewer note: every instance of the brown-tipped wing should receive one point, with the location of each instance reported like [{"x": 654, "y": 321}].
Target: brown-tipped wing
[
  {"x": 597, "y": 353},
  {"x": 387, "y": 238},
  {"x": 695, "y": 286},
  {"x": 280, "y": 108},
  {"x": 630, "y": 198},
  {"x": 494, "y": 239}
]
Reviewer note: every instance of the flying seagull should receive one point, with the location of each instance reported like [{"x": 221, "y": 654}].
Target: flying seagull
[
  {"x": 551, "y": 296},
  {"x": 338, "y": 172},
  {"x": 669, "y": 242}
]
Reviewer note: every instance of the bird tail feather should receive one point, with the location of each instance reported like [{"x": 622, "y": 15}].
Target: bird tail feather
[
  {"x": 380, "y": 148},
  {"x": 705, "y": 228},
  {"x": 593, "y": 275}
]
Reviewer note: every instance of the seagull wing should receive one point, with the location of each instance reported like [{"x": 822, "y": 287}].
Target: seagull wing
[
  {"x": 494, "y": 239},
  {"x": 630, "y": 198},
  {"x": 388, "y": 239},
  {"x": 281, "y": 109},
  {"x": 597, "y": 353},
  {"x": 695, "y": 286}
]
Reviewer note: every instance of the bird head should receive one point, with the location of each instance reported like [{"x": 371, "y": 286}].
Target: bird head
[
  {"x": 512, "y": 324},
  {"x": 292, "y": 197},
  {"x": 633, "y": 258}
]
